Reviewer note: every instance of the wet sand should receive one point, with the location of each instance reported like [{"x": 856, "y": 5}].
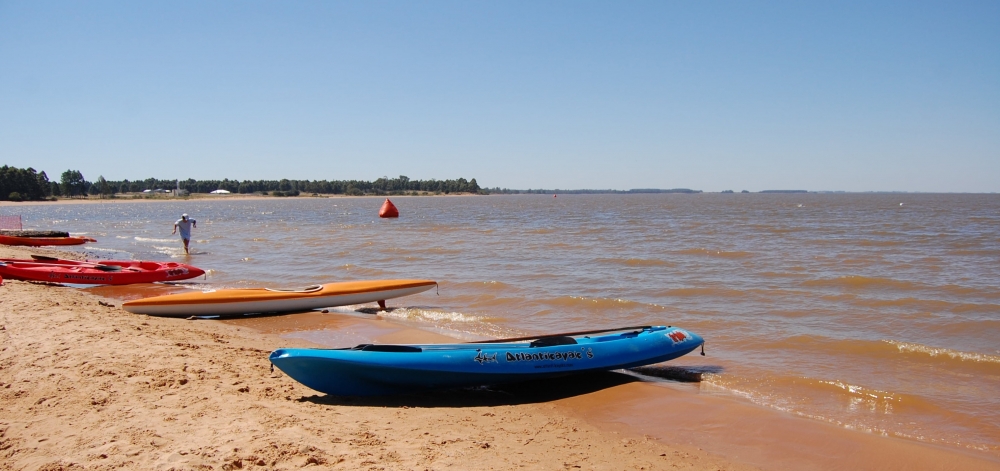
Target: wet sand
[
  {"x": 84, "y": 385},
  {"x": 693, "y": 420},
  {"x": 90, "y": 386}
]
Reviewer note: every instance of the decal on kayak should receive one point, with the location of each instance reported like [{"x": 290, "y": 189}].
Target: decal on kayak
[
  {"x": 484, "y": 358},
  {"x": 550, "y": 356},
  {"x": 70, "y": 276},
  {"x": 677, "y": 336}
]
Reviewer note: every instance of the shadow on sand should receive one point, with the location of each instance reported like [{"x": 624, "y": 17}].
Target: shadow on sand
[{"x": 528, "y": 392}]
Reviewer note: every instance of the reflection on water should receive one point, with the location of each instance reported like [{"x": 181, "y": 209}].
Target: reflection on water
[{"x": 848, "y": 308}]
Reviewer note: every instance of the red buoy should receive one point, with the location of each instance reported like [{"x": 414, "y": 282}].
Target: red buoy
[{"x": 388, "y": 210}]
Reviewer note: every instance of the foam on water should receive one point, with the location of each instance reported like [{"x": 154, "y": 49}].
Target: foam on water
[
  {"x": 157, "y": 240},
  {"x": 935, "y": 352}
]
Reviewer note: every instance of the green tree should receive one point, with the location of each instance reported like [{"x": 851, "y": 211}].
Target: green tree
[
  {"x": 19, "y": 184},
  {"x": 73, "y": 183},
  {"x": 103, "y": 188},
  {"x": 43, "y": 184}
]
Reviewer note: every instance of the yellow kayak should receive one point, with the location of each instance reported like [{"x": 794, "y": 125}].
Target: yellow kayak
[{"x": 261, "y": 300}]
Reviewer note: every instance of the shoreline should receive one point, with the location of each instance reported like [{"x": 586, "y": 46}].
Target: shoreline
[{"x": 87, "y": 385}]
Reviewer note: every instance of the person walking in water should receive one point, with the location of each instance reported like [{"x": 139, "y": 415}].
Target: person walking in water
[{"x": 185, "y": 224}]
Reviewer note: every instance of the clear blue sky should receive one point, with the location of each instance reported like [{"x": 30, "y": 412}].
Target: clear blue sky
[{"x": 856, "y": 96}]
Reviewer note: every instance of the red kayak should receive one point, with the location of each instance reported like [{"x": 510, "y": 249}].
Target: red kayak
[
  {"x": 102, "y": 272},
  {"x": 40, "y": 241}
]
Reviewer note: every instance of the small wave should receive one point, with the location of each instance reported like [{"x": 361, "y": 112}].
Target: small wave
[
  {"x": 890, "y": 350},
  {"x": 873, "y": 399},
  {"x": 927, "y": 305},
  {"x": 771, "y": 274},
  {"x": 716, "y": 253},
  {"x": 975, "y": 253},
  {"x": 713, "y": 292},
  {"x": 966, "y": 291},
  {"x": 172, "y": 251},
  {"x": 441, "y": 251},
  {"x": 150, "y": 239},
  {"x": 101, "y": 249},
  {"x": 578, "y": 302},
  {"x": 798, "y": 394},
  {"x": 637, "y": 262},
  {"x": 907, "y": 347},
  {"x": 855, "y": 281},
  {"x": 420, "y": 314},
  {"x": 880, "y": 243},
  {"x": 490, "y": 286},
  {"x": 778, "y": 230}
]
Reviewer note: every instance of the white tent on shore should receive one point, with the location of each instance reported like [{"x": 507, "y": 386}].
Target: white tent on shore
[{"x": 220, "y": 192}]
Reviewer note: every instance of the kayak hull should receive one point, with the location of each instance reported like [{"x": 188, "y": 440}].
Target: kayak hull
[
  {"x": 43, "y": 241},
  {"x": 393, "y": 369},
  {"x": 103, "y": 272},
  {"x": 228, "y": 302}
]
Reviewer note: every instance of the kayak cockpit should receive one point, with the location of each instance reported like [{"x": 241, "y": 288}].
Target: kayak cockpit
[
  {"x": 368, "y": 347},
  {"x": 553, "y": 341}
]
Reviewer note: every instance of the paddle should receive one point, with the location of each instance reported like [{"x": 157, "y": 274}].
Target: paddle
[
  {"x": 566, "y": 334},
  {"x": 44, "y": 258}
]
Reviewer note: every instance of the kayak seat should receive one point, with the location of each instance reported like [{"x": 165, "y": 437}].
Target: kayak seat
[
  {"x": 388, "y": 348},
  {"x": 552, "y": 341}
]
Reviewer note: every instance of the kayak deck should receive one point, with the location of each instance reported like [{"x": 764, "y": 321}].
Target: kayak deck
[
  {"x": 106, "y": 272},
  {"x": 391, "y": 369},
  {"x": 263, "y": 300}
]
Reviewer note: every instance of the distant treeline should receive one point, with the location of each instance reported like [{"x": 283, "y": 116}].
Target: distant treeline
[
  {"x": 507, "y": 191},
  {"x": 17, "y": 184},
  {"x": 382, "y": 186},
  {"x": 25, "y": 184}
]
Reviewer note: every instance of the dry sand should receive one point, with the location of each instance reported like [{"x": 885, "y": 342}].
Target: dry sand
[
  {"x": 89, "y": 386},
  {"x": 86, "y": 385}
]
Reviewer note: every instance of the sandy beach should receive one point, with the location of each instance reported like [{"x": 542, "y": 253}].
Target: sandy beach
[{"x": 86, "y": 385}]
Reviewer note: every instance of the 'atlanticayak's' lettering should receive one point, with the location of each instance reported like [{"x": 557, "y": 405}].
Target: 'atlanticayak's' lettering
[{"x": 549, "y": 356}]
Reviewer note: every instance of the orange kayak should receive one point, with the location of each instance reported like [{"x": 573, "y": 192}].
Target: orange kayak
[
  {"x": 40, "y": 241},
  {"x": 260, "y": 300}
]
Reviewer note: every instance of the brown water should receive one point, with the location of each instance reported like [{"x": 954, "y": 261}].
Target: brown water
[{"x": 876, "y": 312}]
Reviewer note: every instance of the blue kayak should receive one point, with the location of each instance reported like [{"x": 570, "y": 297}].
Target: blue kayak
[{"x": 390, "y": 369}]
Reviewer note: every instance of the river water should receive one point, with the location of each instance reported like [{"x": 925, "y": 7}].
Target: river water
[{"x": 877, "y": 312}]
